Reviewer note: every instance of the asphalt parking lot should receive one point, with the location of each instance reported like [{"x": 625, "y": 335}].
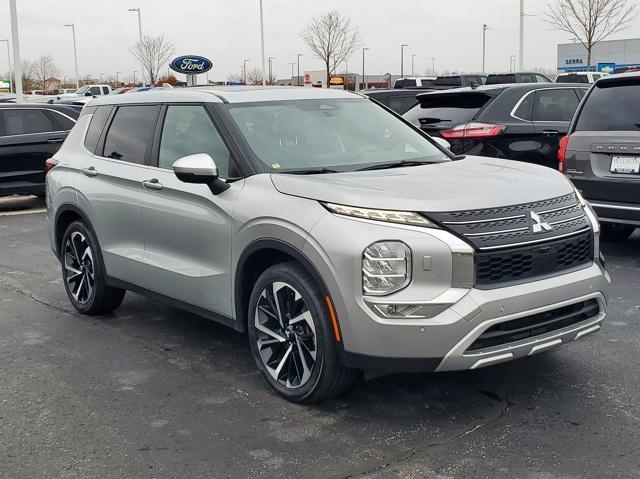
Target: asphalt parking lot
[{"x": 152, "y": 391}]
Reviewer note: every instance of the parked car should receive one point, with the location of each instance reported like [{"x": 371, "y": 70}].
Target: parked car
[
  {"x": 579, "y": 77},
  {"x": 456, "y": 81},
  {"x": 121, "y": 90},
  {"x": 338, "y": 236},
  {"x": 29, "y": 135},
  {"x": 414, "y": 82},
  {"x": 520, "y": 77},
  {"x": 399, "y": 100},
  {"x": 140, "y": 89},
  {"x": 89, "y": 90},
  {"x": 601, "y": 153},
  {"x": 516, "y": 122}
]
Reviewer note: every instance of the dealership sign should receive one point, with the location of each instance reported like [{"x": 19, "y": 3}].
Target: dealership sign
[
  {"x": 191, "y": 64},
  {"x": 607, "y": 68}
]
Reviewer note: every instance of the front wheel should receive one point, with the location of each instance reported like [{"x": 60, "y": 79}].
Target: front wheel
[{"x": 291, "y": 336}]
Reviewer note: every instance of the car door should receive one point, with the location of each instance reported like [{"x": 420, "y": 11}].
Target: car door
[
  {"x": 553, "y": 110},
  {"x": 28, "y": 137},
  {"x": 188, "y": 228},
  {"x": 109, "y": 184}
]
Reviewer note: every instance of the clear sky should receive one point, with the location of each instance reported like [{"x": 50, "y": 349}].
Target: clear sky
[{"x": 228, "y": 32}]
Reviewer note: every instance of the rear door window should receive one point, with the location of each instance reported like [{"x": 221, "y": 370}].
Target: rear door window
[
  {"x": 131, "y": 133},
  {"x": 25, "y": 121},
  {"x": 555, "y": 105},
  {"x": 105, "y": 90},
  {"x": 611, "y": 108},
  {"x": 449, "y": 110}
]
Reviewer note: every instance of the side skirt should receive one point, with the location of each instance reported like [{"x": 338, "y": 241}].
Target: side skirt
[{"x": 212, "y": 315}]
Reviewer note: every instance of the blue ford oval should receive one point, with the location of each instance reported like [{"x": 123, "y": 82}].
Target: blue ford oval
[{"x": 191, "y": 64}]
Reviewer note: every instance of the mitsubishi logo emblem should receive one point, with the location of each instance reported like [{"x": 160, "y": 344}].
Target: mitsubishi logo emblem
[{"x": 537, "y": 225}]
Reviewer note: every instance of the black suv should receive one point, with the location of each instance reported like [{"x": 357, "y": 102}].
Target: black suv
[
  {"x": 456, "y": 81},
  {"x": 29, "y": 135},
  {"x": 523, "y": 77},
  {"x": 515, "y": 122},
  {"x": 601, "y": 153}
]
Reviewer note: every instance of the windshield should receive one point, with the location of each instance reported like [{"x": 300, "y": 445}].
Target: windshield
[
  {"x": 340, "y": 134},
  {"x": 82, "y": 90}
]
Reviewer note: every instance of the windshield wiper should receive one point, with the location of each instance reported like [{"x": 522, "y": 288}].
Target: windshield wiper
[
  {"x": 312, "y": 171},
  {"x": 395, "y": 164}
]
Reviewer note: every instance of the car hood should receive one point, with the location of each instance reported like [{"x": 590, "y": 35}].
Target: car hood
[{"x": 472, "y": 183}]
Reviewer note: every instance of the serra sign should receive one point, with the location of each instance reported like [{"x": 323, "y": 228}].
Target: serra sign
[{"x": 191, "y": 64}]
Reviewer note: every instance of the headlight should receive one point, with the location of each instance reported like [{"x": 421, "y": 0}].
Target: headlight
[
  {"x": 386, "y": 267},
  {"x": 389, "y": 216}
]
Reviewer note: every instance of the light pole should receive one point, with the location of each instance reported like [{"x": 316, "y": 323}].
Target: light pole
[
  {"x": 413, "y": 56},
  {"x": 512, "y": 63},
  {"x": 521, "y": 46},
  {"x": 402, "y": 59},
  {"x": 75, "y": 52},
  {"x": 264, "y": 80},
  {"x": 134, "y": 77},
  {"x": 270, "y": 70},
  {"x": 17, "y": 65},
  {"x": 137, "y": 10},
  {"x": 364, "y": 81},
  {"x": 292, "y": 65},
  {"x": 433, "y": 66},
  {"x": 118, "y": 78},
  {"x": 298, "y": 79},
  {"x": 244, "y": 71},
  {"x": 101, "y": 75},
  {"x": 9, "y": 63},
  {"x": 484, "y": 45}
]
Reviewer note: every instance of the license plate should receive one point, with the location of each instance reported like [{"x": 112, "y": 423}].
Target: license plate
[{"x": 625, "y": 164}]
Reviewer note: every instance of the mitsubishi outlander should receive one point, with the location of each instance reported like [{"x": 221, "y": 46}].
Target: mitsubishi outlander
[{"x": 338, "y": 236}]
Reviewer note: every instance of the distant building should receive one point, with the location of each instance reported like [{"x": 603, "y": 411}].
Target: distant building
[
  {"x": 351, "y": 81},
  {"x": 53, "y": 83},
  {"x": 606, "y": 54}
]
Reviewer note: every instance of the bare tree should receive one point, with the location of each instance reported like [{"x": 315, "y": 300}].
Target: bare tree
[
  {"x": 153, "y": 53},
  {"x": 254, "y": 77},
  {"x": 591, "y": 21},
  {"x": 43, "y": 69},
  {"x": 331, "y": 38}
]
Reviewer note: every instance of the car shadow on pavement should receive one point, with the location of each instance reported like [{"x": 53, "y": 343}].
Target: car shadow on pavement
[{"x": 21, "y": 204}]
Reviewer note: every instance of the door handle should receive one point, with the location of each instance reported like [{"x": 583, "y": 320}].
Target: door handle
[
  {"x": 55, "y": 140},
  {"x": 550, "y": 132},
  {"x": 90, "y": 172},
  {"x": 152, "y": 184}
]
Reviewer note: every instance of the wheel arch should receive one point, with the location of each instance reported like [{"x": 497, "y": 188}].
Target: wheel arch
[
  {"x": 65, "y": 215},
  {"x": 254, "y": 260}
]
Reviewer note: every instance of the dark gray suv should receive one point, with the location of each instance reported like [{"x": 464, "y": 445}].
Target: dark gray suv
[{"x": 601, "y": 153}]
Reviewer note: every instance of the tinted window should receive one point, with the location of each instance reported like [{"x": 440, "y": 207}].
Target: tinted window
[
  {"x": 402, "y": 104},
  {"x": 94, "y": 90},
  {"x": 99, "y": 119},
  {"x": 63, "y": 122},
  {"x": 526, "y": 78},
  {"x": 26, "y": 121},
  {"x": 555, "y": 105},
  {"x": 450, "y": 110},
  {"x": 105, "y": 90},
  {"x": 525, "y": 107},
  {"x": 188, "y": 130},
  {"x": 542, "y": 79},
  {"x": 572, "y": 79},
  {"x": 131, "y": 133},
  {"x": 611, "y": 108}
]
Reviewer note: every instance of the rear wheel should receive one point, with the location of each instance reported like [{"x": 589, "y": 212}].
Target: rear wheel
[
  {"x": 83, "y": 272},
  {"x": 291, "y": 337},
  {"x": 615, "y": 232}
]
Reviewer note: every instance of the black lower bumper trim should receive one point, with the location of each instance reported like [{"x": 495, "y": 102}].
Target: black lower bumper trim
[{"x": 382, "y": 365}]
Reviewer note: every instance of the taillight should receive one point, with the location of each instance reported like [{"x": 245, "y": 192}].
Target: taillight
[
  {"x": 472, "y": 131},
  {"x": 50, "y": 164},
  {"x": 562, "y": 152}
]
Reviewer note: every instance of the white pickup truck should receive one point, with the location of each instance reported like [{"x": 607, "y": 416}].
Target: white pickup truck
[{"x": 89, "y": 90}]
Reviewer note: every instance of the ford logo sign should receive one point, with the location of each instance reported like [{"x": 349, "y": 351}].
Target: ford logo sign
[{"x": 191, "y": 64}]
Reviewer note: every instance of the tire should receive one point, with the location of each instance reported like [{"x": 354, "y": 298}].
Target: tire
[
  {"x": 299, "y": 360},
  {"x": 615, "y": 232},
  {"x": 83, "y": 272}
]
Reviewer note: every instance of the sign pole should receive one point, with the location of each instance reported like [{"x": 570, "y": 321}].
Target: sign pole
[
  {"x": 264, "y": 80},
  {"x": 17, "y": 65}
]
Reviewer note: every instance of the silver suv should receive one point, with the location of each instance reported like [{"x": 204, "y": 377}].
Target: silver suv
[{"x": 337, "y": 235}]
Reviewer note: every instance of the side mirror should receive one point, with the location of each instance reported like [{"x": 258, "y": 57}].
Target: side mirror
[
  {"x": 199, "y": 168},
  {"x": 442, "y": 142},
  {"x": 87, "y": 93}
]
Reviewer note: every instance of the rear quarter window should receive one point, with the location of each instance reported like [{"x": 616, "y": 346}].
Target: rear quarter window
[
  {"x": 611, "y": 107},
  {"x": 450, "y": 109},
  {"x": 98, "y": 121}
]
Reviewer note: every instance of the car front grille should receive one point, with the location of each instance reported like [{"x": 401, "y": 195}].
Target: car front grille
[
  {"x": 523, "y": 242},
  {"x": 534, "y": 261},
  {"x": 535, "y": 325}
]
